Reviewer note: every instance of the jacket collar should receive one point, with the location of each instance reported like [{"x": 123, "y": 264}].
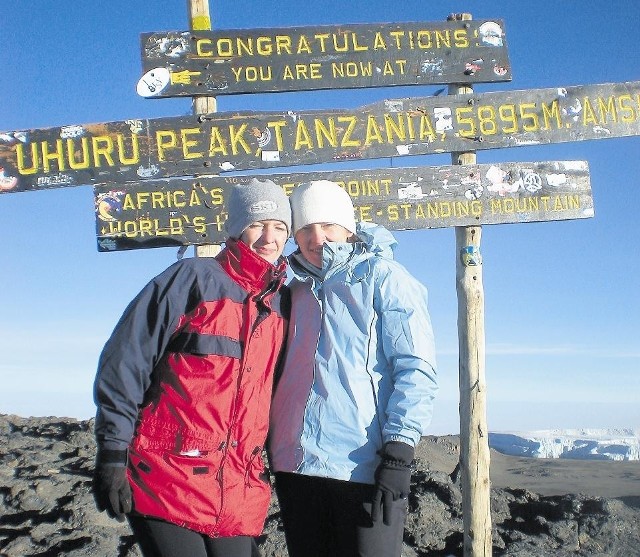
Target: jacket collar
[
  {"x": 372, "y": 240},
  {"x": 335, "y": 256},
  {"x": 249, "y": 270}
]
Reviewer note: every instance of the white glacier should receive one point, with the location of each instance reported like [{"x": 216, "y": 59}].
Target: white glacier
[{"x": 584, "y": 444}]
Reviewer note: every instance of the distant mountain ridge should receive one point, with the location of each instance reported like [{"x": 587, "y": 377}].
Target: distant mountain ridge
[{"x": 582, "y": 444}]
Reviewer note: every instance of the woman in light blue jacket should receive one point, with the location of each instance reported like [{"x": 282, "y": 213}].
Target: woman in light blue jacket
[{"x": 357, "y": 388}]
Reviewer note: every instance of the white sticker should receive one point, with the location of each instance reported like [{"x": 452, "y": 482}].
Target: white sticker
[
  {"x": 444, "y": 118},
  {"x": 153, "y": 82},
  {"x": 556, "y": 179},
  {"x": 271, "y": 156}
]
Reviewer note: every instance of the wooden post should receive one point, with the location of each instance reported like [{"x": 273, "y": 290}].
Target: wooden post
[
  {"x": 474, "y": 438},
  {"x": 199, "y": 20}
]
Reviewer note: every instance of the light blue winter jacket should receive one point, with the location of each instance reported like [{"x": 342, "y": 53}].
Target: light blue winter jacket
[{"x": 360, "y": 364}]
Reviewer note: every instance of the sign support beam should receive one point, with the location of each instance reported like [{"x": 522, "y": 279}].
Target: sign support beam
[
  {"x": 474, "y": 435},
  {"x": 200, "y": 20}
]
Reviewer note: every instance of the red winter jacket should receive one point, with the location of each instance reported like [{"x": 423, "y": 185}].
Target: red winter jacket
[{"x": 190, "y": 365}]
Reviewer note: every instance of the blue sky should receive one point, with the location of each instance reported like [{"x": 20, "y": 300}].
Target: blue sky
[{"x": 562, "y": 311}]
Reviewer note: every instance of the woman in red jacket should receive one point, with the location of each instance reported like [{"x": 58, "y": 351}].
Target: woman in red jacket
[{"x": 183, "y": 391}]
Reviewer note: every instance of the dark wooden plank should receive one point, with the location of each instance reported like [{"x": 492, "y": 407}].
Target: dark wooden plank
[
  {"x": 186, "y": 211},
  {"x": 218, "y": 142},
  {"x": 223, "y": 62}
]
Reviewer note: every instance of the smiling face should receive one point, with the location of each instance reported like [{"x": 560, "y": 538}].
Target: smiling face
[
  {"x": 310, "y": 239},
  {"x": 266, "y": 238}
]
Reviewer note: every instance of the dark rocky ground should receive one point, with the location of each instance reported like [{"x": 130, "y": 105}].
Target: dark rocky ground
[{"x": 47, "y": 508}]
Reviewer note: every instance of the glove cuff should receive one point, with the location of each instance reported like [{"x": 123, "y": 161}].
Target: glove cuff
[
  {"x": 111, "y": 457},
  {"x": 398, "y": 452}
]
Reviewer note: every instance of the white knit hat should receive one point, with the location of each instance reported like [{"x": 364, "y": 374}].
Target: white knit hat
[
  {"x": 256, "y": 201},
  {"x": 321, "y": 201}
]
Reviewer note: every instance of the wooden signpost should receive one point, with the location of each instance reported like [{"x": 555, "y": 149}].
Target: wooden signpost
[
  {"x": 210, "y": 143},
  {"x": 183, "y": 211},
  {"x": 474, "y": 461},
  {"x": 200, "y": 21},
  {"x": 223, "y": 62}
]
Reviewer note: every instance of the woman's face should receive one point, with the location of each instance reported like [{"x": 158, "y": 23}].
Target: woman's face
[
  {"x": 311, "y": 238},
  {"x": 266, "y": 238}
]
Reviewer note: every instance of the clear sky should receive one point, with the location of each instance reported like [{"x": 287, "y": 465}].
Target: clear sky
[{"x": 562, "y": 310}]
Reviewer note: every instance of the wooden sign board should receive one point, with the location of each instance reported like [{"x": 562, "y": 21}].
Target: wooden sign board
[
  {"x": 181, "y": 211},
  {"x": 208, "y": 144},
  {"x": 224, "y": 62}
]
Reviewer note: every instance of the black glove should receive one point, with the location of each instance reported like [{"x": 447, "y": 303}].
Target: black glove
[
  {"x": 393, "y": 479},
  {"x": 111, "y": 489}
]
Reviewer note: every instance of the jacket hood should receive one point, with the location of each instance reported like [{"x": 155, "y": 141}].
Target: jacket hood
[{"x": 377, "y": 238}]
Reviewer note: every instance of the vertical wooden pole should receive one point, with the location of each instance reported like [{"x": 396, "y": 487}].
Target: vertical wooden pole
[
  {"x": 474, "y": 438},
  {"x": 199, "y": 20}
]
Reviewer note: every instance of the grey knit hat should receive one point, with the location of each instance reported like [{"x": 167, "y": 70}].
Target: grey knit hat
[{"x": 256, "y": 201}]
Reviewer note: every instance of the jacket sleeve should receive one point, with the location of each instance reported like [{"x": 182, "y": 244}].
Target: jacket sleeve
[
  {"x": 408, "y": 344},
  {"x": 136, "y": 345}
]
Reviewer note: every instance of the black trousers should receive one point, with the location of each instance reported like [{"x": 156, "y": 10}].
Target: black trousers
[
  {"x": 158, "y": 538},
  {"x": 331, "y": 518}
]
